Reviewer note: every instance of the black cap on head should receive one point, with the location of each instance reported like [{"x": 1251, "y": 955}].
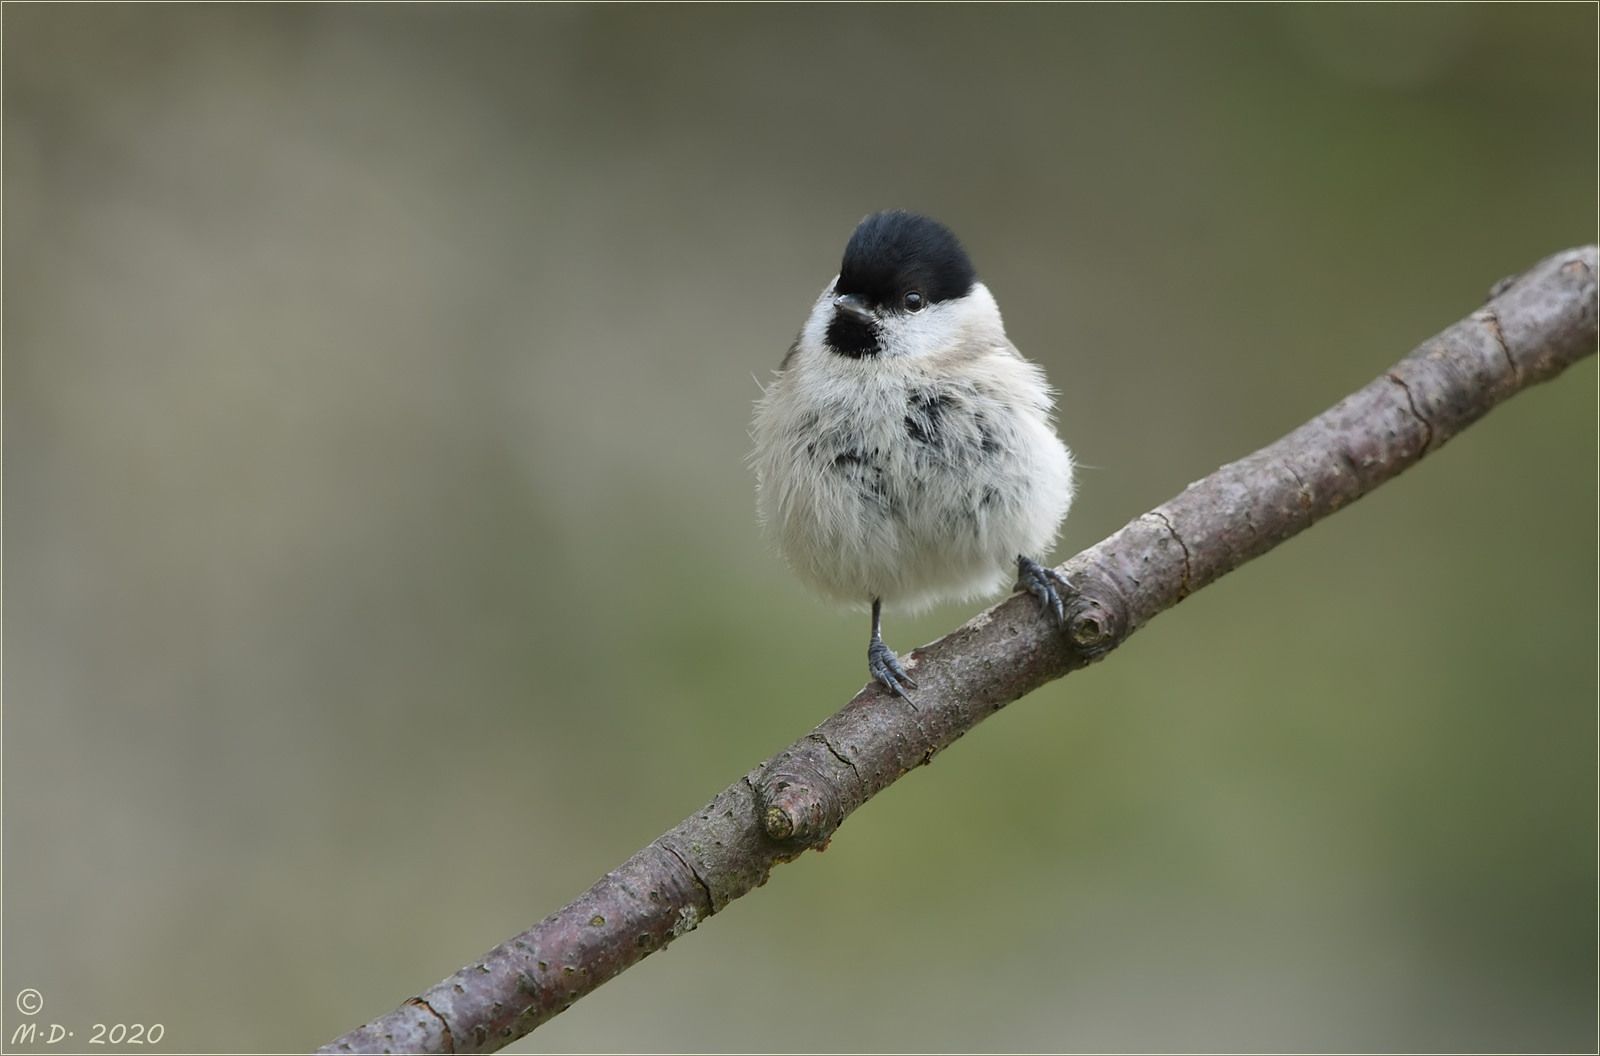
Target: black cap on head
[{"x": 895, "y": 252}]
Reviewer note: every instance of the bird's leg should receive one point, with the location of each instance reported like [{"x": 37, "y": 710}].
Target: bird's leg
[
  {"x": 882, "y": 664},
  {"x": 1046, "y": 584}
]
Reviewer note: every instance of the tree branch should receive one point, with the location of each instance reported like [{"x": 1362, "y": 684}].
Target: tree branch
[{"x": 1535, "y": 326}]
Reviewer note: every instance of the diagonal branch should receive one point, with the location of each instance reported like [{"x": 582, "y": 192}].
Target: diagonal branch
[{"x": 1535, "y": 326}]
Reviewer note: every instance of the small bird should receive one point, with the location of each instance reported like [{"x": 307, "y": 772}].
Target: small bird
[{"x": 904, "y": 451}]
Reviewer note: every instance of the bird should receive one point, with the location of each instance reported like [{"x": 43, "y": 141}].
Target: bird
[{"x": 905, "y": 451}]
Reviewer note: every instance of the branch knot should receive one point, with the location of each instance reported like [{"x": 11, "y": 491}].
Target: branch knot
[
  {"x": 1097, "y": 616},
  {"x": 805, "y": 793}
]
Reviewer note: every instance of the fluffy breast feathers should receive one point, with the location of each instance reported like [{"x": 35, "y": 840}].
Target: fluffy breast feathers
[{"x": 914, "y": 476}]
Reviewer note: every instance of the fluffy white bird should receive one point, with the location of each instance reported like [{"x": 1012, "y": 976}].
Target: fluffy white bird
[{"x": 904, "y": 453}]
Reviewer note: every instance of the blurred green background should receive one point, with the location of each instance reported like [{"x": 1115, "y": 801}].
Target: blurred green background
[{"x": 383, "y": 568}]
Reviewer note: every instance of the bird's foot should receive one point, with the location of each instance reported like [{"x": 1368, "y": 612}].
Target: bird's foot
[
  {"x": 1046, "y": 584},
  {"x": 884, "y": 666}
]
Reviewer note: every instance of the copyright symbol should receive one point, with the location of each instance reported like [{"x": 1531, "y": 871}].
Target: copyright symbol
[{"x": 29, "y": 1001}]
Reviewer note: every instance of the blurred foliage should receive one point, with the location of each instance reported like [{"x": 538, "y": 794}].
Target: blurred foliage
[{"x": 382, "y": 563}]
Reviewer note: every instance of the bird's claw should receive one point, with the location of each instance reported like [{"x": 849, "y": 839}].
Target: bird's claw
[
  {"x": 1046, "y": 584},
  {"x": 884, "y": 666}
]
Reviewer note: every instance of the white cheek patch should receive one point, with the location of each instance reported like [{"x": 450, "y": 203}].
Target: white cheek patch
[
  {"x": 966, "y": 323},
  {"x": 934, "y": 328},
  {"x": 814, "y": 334}
]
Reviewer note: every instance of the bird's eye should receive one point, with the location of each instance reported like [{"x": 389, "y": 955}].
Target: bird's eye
[{"x": 914, "y": 302}]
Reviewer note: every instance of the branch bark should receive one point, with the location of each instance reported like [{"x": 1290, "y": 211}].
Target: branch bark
[{"x": 1534, "y": 327}]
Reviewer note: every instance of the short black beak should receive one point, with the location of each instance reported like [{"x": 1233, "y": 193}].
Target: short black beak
[{"x": 854, "y": 305}]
